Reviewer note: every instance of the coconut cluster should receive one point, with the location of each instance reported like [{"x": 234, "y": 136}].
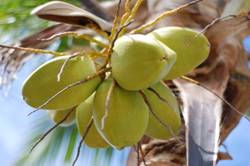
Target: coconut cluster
[{"x": 127, "y": 102}]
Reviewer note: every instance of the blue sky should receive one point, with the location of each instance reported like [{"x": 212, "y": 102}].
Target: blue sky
[
  {"x": 238, "y": 144},
  {"x": 246, "y": 43}
]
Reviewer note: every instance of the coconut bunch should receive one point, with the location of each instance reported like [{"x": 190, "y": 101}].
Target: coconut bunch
[{"x": 118, "y": 100}]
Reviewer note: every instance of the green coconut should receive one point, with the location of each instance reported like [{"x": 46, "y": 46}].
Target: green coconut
[
  {"x": 58, "y": 115},
  {"x": 139, "y": 61},
  {"x": 166, "y": 108},
  {"x": 42, "y": 84},
  {"x": 83, "y": 117},
  {"x": 192, "y": 48},
  {"x": 127, "y": 116}
]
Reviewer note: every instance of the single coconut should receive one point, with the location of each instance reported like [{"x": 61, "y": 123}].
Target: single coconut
[
  {"x": 83, "y": 117},
  {"x": 192, "y": 48},
  {"x": 139, "y": 61},
  {"x": 123, "y": 120},
  {"x": 42, "y": 84},
  {"x": 164, "y": 104},
  {"x": 58, "y": 115}
]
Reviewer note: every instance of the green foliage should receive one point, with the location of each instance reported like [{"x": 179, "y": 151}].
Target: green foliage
[
  {"x": 15, "y": 18},
  {"x": 61, "y": 144}
]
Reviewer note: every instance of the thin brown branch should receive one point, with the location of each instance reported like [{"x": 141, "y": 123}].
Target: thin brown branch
[
  {"x": 81, "y": 142},
  {"x": 50, "y": 130},
  {"x": 142, "y": 153},
  {"x": 116, "y": 20},
  {"x": 215, "y": 21},
  {"x": 137, "y": 155},
  {"x": 163, "y": 15}
]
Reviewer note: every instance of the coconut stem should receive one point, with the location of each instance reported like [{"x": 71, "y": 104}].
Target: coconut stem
[
  {"x": 137, "y": 155},
  {"x": 127, "y": 6},
  {"x": 163, "y": 15},
  {"x": 134, "y": 11},
  {"x": 81, "y": 142},
  {"x": 118, "y": 27},
  {"x": 209, "y": 90},
  {"x": 76, "y": 35},
  {"x": 64, "y": 65},
  {"x": 142, "y": 153},
  {"x": 215, "y": 21},
  {"x": 127, "y": 12},
  {"x": 88, "y": 78},
  {"x": 107, "y": 104},
  {"x": 115, "y": 22},
  {"x": 110, "y": 50},
  {"x": 50, "y": 130},
  {"x": 114, "y": 34},
  {"x": 129, "y": 15},
  {"x": 33, "y": 50}
]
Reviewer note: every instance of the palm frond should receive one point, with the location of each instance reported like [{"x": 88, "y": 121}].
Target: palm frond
[{"x": 60, "y": 148}]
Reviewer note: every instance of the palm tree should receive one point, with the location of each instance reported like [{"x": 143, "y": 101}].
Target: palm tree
[{"x": 212, "y": 106}]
